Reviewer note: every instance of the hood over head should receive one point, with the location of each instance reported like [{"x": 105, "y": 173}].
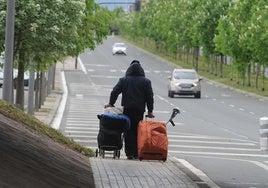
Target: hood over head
[{"x": 135, "y": 69}]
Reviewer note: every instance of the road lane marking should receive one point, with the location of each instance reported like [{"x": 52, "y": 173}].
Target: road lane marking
[
  {"x": 105, "y": 76},
  {"x": 86, "y": 141},
  {"x": 213, "y": 148},
  {"x": 257, "y": 163},
  {"x": 82, "y": 128},
  {"x": 212, "y": 142},
  {"x": 219, "y": 154},
  {"x": 206, "y": 137},
  {"x": 59, "y": 114},
  {"x": 198, "y": 173},
  {"x": 81, "y": 132},
  {"x": 80, "y": 63}
]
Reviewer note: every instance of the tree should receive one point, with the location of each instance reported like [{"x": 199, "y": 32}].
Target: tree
[
  {"x": 48, "y": 31},
  {"x": 257, "y": 37}
]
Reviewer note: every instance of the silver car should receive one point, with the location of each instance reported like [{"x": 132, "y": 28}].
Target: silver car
[
  {"x": 119, "y": 48},
  {"x": 184, "y": 82}
]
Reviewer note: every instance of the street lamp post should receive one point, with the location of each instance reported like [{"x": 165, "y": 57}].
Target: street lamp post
[{"x": 9, "y": 46}]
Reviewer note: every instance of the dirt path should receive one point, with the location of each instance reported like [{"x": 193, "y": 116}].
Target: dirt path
[{"x": 29, "y": 160}]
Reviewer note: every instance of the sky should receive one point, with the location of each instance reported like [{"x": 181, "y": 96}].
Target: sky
[{"x": 111, "y": 4}]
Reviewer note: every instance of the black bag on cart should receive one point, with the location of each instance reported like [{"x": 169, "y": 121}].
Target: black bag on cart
[{"x": 110, "y": 133}]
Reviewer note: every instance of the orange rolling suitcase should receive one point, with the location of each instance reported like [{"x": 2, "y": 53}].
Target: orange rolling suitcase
[{"x": 152, "y": 139}]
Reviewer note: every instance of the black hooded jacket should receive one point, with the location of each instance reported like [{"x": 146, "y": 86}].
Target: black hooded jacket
[{"x": 136, "y": 89}]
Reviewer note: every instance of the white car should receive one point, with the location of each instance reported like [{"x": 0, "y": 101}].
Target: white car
[
  {"x": 184, "y": 82},
  {"x": 119, "y": 48},
  {"x": 1, "y": 78}
]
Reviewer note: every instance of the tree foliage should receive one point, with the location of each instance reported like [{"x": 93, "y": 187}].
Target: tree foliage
[
  {"x": 237, "y": 29},
  {"x": 48, "y": 31}
]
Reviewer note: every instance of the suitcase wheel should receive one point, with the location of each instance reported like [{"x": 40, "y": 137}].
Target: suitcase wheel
[
  {"x": 140, "y": 158},
  {"x": 116, "y": 154},
  {"x": 164, "y": 159}
]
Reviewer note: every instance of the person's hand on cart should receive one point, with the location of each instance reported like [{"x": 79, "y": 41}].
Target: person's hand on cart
[{"x": 108, "y": 105}]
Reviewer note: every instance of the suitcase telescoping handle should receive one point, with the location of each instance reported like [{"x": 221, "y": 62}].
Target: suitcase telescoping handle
[{"x": 174, "y": 113}]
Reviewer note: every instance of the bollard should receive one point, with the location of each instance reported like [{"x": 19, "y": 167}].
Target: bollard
[{"x": 264, "y": 133}]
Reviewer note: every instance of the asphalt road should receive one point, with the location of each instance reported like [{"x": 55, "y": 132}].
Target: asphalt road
[{"x": 218, "y": 134}]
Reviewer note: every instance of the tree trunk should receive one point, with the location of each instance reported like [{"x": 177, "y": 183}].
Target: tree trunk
[
  {"x": 248, "y": 74},
  {"x": 263, "y": 78},
  {"x": 257, "y": 67},
  {"x": 221, "y": 65},
  {"x": 20, "y": 84},
  {"x": 30, "y": 106},
  {"x": 196, "y": 55},
  {"x": 37, "y": 91}
]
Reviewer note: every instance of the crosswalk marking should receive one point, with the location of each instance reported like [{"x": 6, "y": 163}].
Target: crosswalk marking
[
  {"x": 123, "y": 70},
  {"x": 212, "y": 142},
  {"x": 82, "y": 128},
  {"x": 82, "y": 125},
  {"x": 219, "y": 154},
  {"x": 81, "y": 132},
  {"x": 213, "y": 148}
]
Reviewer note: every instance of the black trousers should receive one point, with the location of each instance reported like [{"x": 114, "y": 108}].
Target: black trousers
[{"x": 130, "y": 136}]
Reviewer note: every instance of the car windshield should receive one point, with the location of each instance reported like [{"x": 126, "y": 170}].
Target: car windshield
[
  {"x": 185, "y": 75},
  {"x": 119, "y": 45}
]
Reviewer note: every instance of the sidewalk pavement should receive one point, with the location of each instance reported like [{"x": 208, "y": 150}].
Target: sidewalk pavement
[{"x": 114, "y": 173}]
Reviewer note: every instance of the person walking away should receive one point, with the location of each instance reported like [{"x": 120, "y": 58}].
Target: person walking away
[{"x": 137, "y": 94}]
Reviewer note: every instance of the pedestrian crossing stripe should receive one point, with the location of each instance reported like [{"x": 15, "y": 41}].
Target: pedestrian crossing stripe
[
  {"x": 212, "y": 142},
  {"x": 218, "y": 154},
  {"x": 212, "y": 147},
  {"x": 81, "y": 132}
]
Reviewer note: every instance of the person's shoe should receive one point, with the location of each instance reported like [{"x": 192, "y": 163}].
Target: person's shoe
[{"x": 129, "y": 157}]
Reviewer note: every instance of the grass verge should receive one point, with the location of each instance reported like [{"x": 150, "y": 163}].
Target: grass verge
[{"x": 38, "y": 127}]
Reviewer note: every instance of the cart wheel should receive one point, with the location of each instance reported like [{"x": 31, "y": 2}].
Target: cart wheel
[
  {"x": 118, "y": 154},
  {"x": 102, "y": 153},
  {"x": 140, "y": 158},
  {"x": 114, "y": 155},
  {"x": 96, "y": 153}
]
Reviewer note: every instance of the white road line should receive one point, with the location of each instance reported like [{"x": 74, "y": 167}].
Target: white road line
[
  {"x": 257, "y": 163},
  {"x": 81, "y": 65},
  {"x": 212, "y": 142},
  {"x": 80, "y": 121},
  {"x": 213, "y": 148},
  {"x": 219, "y": 154},
  {"x": 162, "y": 112},
  {"x": 198, "y": 172},
  {"x": 82, "y": 117},
  {"x": 81, "y": 132},
  {"x": 82, "y": 125},
  {"x": 260, "y": 165},
  {"x": 104, "y": 76},
  {"x": 82, "y": 128},
  {"x": 86, "y": 141},
  {"x": 206, "y": 137},
  {"x": 83, "y": 136},
  {"x": 58, "y": 116},
  {"x": 99, "y": 65}
]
